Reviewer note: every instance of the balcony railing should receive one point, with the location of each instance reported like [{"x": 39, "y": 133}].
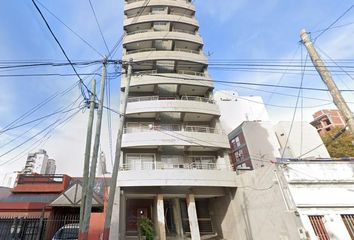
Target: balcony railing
[
  {"x": 170, "y": 127},
  {"x": 156, "y": 50},
  {"x": 159, "y": 98},
  {"x": 152, "y": 30},
  {"x": 174, "y": 166}
]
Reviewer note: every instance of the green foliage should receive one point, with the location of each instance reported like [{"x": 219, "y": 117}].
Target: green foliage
[
  {"x": 343, "y": 146},
  {"x": 146, "y": 229}
]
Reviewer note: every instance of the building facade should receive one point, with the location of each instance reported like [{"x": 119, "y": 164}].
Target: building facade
[
  {"x": 327, "y": 119},
  {"x": 174, "y": 153},
  {"x": 253, "y": 145},
  {"x": 296, "y": 199},
  {"x": 236, "y": 109},
  {"x": 300, "y": 140},
  {"x": 39, "y": 163}
]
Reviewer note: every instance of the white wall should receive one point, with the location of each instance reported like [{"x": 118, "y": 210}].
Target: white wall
[
  {"x": 303, "y": 141},
  {"x": 264, "y": 202},
  {"x": 261, "y": 142},
  {"x": 237, "y": 109}
]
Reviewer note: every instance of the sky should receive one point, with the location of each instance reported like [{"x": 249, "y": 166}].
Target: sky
[{"x": 260, "y": 29}]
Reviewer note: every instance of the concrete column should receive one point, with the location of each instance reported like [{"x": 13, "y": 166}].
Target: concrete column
[
  {"x": 123, "y": 212},
  {"x": 115, "y": 222},
  {"x": 177, "y": 217},
  {"x": 161, "y": 231},
  {"x": 193, "y": 218}
]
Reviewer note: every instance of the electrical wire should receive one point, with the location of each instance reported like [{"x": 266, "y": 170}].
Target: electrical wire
[
  {"x": 70, "y": 29},
  {"x": 62, "y": 49},
  {"x": 36, "y": 120},
  {"x": 98, "y": 25},
  {"x": 295, "y": 110},
  {"x": 333, "y": 23},
  {"x": 248, "y": 83}
]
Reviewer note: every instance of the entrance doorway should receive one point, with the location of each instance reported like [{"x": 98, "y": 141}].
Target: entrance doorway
[{"x": 135, "y": 209}]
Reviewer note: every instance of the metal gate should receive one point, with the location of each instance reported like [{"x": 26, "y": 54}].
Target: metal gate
[
  {"x": 349, "y": 223},
  {"x": 319, "y": 227},
  {"x": 27, "y": 228}
]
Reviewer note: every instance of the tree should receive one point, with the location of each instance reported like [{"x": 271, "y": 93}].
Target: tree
[{"x": 343, "y": 146}]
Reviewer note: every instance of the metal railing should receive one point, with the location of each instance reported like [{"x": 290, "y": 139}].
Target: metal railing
[
  {"x": 170, "y": 127},
  {"x": 197, "y": 99},
  {"x": 174, "y": 166},
  {"x": 40, "y": 228},
  {"x": 187, "y": 50},
  {"x": 152, "y": 30},
  {"x": 188, "y": 72},
  {"x": 142, "y": 50},
  {"x": 161, "y": 98}
]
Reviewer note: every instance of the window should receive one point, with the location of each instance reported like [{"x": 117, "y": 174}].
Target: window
[
  {"x": 138, "y": 161},
  {"x": 349, "y": 223},
  {"x": 239, "y": 155},
  {"x": 317, "y": 223},
  {"x": 238, "y": 142}
]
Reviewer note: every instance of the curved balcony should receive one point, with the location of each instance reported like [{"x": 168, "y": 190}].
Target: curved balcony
[
  {"x": 151, "y": 54},
  {"x": 146, "y": 35},
  {"x": 172, "y": 3},
  {"x": 164, "y": 174},
  {"x": 182, "y": 78},
  {"x": 188, "y": 104},
  {"x": 161, "y": 18},
  {"x": 174, "y": 135}
]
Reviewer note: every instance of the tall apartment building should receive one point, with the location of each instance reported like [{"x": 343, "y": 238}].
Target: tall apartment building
[
  {"x": 175, "y": 162},
  {"x": 39, "y": 163},
  {"x": 327, "y": 119}
]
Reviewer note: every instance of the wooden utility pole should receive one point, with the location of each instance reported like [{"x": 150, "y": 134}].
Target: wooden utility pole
[
  {"x": 87, "y": 153},
  {"x": 113, "y": 186},
  {"x": 89, "y": 195},
  {"x": 328, "y": 80}
]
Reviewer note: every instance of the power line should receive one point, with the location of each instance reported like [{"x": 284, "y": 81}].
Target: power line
[
  {"x": 99, "y": 27},
  {"x": 333, "y": 23},
  {"x": 44, "y": 138},
  {"x": 296, "y": 106},
  {"x": 62, "y": 49},
  {"x": 32, "y": 137},
  {"x": 36, "y": 120},
  {"x": 70, "y": 29},
  {"x": 248, "y": 83}
]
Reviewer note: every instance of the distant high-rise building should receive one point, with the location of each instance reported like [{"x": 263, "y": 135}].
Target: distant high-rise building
[
  {"x": 236, "y": 109},
  {"x": 51, "y": 167},
  {"x": 39, "y": 163},
  {"x": 327, "y": 119}
]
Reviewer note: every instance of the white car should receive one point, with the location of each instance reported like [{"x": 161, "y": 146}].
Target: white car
[{"x": 67, "y": 232}]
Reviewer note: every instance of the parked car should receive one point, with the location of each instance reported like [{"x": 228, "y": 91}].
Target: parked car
[{"x": 67, "y": 232}]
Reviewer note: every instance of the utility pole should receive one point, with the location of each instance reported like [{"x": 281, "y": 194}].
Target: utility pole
[
  {"x": 89, "y": 195},
  {"x": 87, "y": 153},
  {"x": 328, "y": 80},
  {"x": 112, "y": 190}
]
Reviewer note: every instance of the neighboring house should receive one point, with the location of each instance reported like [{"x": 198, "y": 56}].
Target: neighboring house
[
  {"x": 327, "y": 119},
  {"x": 295, "y": 199},
  {"x": 236, "y": 109},
  {"x": 253, "y": 145},
  {"x": 53, "y": 200},
  {"x": 300, "y": 140},
  {"x": 175, "y": 160}
]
